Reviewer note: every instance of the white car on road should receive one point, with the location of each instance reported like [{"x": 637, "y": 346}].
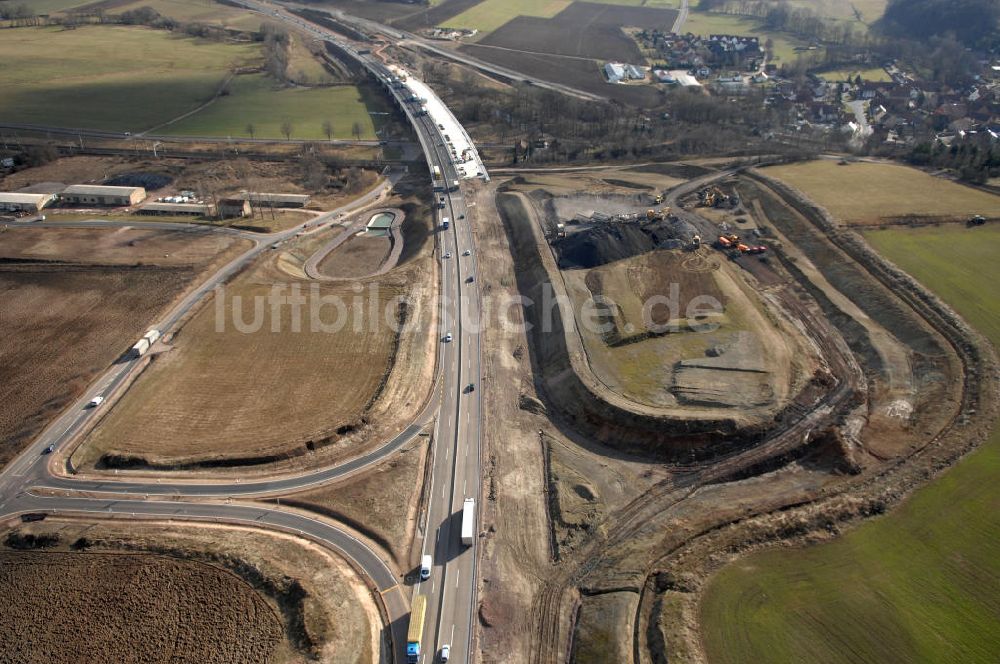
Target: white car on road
[
  {"x": 447, "y": 337},
  {"x": 96, "y": 401}
]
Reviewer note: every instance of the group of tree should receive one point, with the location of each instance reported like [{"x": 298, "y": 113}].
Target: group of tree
[
  {"x": 974, "y": 23},
  {"x": 975, "y": 159}
]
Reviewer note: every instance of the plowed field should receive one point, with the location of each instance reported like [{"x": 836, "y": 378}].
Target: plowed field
[{"x": 75, "y": 607}]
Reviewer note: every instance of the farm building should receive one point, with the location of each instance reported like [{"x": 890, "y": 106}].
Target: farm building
[
  {"x": 86, "y": 194},
  {"x": 684, "y": 79},
  {"x": 234, "y": 207},
  {"x": 20, "y": 202},
  {"x": 619, "y": 73},
  {"x": 274, "y": 200},
  {"x": 194, "y": 209}
]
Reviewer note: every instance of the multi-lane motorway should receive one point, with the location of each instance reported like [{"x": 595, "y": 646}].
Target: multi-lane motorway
[{"x": 454, "y": 410}]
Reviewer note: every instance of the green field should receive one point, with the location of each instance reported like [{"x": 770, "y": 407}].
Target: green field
[
  {"x": 200, "y": 11},
  {"x": 133, "y": 79},
  {"x": 255, "y": 100},
  {"x": 47, "y": 6},
  {"x": 705, "y": 24},
  {"x": 866, "y": 192},
  {"x": 102, "y": 77},
  {"x": 919, "y": 585},
  {"x": 873, "y": 74}
]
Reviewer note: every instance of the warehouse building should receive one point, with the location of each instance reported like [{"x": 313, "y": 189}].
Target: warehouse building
[
  {"x": 86, "y": 194},
  {"x": 19, "y": 202},
  {"x": 177, "y": 209},
  {"x": 260, "y": 199}
]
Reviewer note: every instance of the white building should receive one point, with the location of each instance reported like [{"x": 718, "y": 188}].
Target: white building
[{"x": 615, "y": 72}]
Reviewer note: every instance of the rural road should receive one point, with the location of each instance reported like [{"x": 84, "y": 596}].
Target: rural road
[{"x": 451, "y": 589}]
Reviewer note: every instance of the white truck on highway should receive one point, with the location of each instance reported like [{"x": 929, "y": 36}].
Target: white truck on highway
[{"x": 468, "y": 521}]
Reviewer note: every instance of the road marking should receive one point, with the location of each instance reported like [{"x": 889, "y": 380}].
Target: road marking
[
  {"x": 458, "y": 575},
  {"x": 389, "y": 590}
]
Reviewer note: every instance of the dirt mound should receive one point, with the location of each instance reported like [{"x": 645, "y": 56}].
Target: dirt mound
[{"x": 601, "y": 245}]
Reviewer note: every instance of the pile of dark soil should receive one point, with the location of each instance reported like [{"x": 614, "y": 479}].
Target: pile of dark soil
[{"x": 606, "y": 243}]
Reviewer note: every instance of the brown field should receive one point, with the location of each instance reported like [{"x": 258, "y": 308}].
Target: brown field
[
  {"x": 139, "y": 608},
  {"x": 578, "y": 73},
  {"x": 583, "y": 29},
  {"x": 362, "y": 254},
  {"x": 323, "y": 609},
  {"x": 380, "y": 502},
  {"x": 62, "y": 323},
  {"x": 873, "y": 193},
  {"x": 225, "y": 397},
  {"x": 254, "y": 397}
]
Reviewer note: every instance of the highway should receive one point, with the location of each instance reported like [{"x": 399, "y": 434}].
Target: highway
[{"x": 455, "y": 410}]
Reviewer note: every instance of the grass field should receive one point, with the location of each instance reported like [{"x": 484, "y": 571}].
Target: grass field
[
  {"x": 132, "y": 79},
  {"x": 47, "y": 6},
  {"x": 867, "y": 192},
  {"x": 873, "y": 74},
  {"x": 122, "y": 78},
  {"x": 704, "y": 24},
  {"x": 200, "y": 11},
  {"x": 919, "y": 585},
  {"x": 254, "y": 99}
]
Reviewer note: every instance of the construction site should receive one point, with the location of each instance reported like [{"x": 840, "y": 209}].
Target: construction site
[{"x": 821, "y": 384}]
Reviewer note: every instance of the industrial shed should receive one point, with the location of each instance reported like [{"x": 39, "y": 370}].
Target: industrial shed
[
  {"x": 20, "y": 202},
  {"x": 86, "y": 194},
  {"x": 261, "y": 199},
  {"x": 194, "y": 209}
]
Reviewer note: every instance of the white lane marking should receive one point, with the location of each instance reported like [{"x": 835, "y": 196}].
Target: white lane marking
[
  {"x": 452, "y": 639},
  {"x": 458, "y": 575}
]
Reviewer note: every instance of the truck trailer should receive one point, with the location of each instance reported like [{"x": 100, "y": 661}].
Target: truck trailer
[
  {"x": 468, "y": 521},
  {"x": 437, "y": 172},
  {"x": 416, "y": 630},
  {"x": 140, "y": 347}
]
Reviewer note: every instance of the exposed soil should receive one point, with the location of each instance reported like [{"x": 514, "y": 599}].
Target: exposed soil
[
  {"x": 62, "y": 322},
  {"x": 141, "y": 608},
  {"x": 362, "y": 254},
  {"x": 379, "y": 359},
  {"x": 237, "y": 584}
]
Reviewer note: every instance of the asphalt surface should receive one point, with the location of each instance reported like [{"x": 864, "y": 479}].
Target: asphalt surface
[{"x": 26, "y": 484}]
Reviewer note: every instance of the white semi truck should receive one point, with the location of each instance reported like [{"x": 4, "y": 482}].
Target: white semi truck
[{"x": 469, "y": 521}]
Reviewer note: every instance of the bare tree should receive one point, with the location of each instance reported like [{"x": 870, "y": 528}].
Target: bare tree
[
  {"x": 328, "y": 129},
  {"x": 357, "y": 130},
  {"x": 250, "y": 130},
  {"x": 286, "y": 128}
]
